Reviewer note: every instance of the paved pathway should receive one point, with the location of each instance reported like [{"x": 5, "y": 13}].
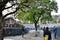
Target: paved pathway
[{"x": 29, "y": 36}]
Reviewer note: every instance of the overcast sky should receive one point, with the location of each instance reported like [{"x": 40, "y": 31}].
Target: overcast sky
[{"x": 58, "y": 3}]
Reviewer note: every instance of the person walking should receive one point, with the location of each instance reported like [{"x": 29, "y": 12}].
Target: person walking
[
  {"x": 55, "y": 31},
  {"x": 47, "y": 34},
  {"x": 44, "y": 33},
  {"x": 23, "y": 31}
]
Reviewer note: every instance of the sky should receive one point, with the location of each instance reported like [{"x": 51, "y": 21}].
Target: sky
[{"x": 58, "y": 4}]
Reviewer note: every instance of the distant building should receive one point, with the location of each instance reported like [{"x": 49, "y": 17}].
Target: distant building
[{"x": 10, "y": 22}]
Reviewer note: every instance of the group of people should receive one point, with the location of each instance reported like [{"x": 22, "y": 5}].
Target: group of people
[{"x": 47, "y": 34}]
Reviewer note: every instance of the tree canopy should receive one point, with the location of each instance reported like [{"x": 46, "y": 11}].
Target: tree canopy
[{"x": 40, "y": 9}]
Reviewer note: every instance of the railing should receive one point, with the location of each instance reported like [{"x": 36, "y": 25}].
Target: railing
[{"x": 13, "y": 31}]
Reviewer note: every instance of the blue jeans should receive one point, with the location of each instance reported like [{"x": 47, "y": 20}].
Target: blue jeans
[
  {"x": 23, "y": 34},
  {"x": 54, "y": 34}
]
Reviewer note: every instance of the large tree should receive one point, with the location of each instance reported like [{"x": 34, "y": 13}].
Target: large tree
[
  {"x": 2, "y": 8},
  {"x": 11, "y": 9},
  {"x": 41, "y": 10}
]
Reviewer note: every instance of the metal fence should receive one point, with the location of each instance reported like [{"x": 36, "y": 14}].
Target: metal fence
[{"x": 13, "y": 31}]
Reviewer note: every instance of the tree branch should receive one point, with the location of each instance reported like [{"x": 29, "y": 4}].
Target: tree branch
[
  {"x": 9, "y": 7},
  {"x": 34, "y": 18},
  {"x": 38, "y": 19},
  {"x": 16, "y": 8},
  {"x": 11, "y": 13},
  {"x": 15, "y": 4}
]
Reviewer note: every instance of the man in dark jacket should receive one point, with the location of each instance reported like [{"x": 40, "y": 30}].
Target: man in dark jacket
[{"x": 48, "y": 33}]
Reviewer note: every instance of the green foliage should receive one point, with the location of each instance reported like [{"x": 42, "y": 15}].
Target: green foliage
[
  {"x": 59, "y": 21},
  {"x": 33, "y": 15},
  {"x": 20, "y": 15},
  {"x": 46, "y": 1},
  {"x": 54, "y": 21},
  {"x": 39, "y": 9}
]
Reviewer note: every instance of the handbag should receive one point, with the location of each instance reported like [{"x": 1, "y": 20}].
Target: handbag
[{"x": 46, "y": 37}]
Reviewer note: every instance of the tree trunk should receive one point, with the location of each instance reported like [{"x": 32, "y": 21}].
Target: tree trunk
[
  {"x": 36, "y": 30},
  {"x": 1, "y": 34},
  {"x": 36, "y": 26},
  {"x": 1, "y": 28}
]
